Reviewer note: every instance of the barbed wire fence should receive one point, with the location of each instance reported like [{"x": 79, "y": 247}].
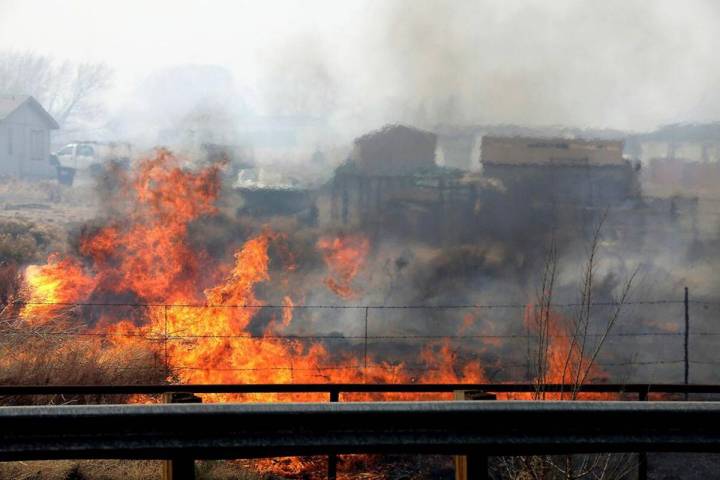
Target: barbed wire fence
[{"x": 366, "y": 340}]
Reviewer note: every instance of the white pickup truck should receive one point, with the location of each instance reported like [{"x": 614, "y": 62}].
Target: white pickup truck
[{"x": 89, "y": 157}]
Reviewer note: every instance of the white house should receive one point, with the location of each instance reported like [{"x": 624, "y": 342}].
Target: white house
[{"x": 25, "y": 137}]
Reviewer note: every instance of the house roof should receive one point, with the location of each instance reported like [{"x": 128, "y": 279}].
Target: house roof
[
  {"x": 555, "y": 152},
  {"x": 684, "y": 132},
  {"x": 10, "y": 103}
]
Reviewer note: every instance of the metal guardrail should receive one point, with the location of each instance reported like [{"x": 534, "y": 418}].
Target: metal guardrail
[
  {"x": 335, "y": 390},
  {"x": 640, "y": 389},
  {"x": 258, "y": 430}
]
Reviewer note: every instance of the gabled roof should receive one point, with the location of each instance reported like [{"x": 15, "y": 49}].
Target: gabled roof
[{"x": 10, "y": 103}]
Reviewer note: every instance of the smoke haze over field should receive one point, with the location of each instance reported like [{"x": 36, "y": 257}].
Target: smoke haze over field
[
  {"x": 360, "y": 192},
  {"x": 375, "y": 191},
  {"x": 620, "y": 64}
]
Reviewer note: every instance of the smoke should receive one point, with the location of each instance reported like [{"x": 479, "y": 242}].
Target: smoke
[
  {"x": 621, "y": 64},
  {"x": 603, "y": 64},
  {"x": 299, "y": 81},
  {"x": 617, "y": 64},
  {"x": 179, "y": 105}
]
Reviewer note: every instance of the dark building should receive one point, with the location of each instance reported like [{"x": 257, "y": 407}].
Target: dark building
[
  {"x": 557, "y": 170},
  {"x": 394, "y": 150},
  {"x": 391, "y": 183},
  {"x": 554, "y": 183}
]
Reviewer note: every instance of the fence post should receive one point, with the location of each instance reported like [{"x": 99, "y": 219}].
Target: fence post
[
  {"x": 165, "y": 344},
  {"x": 642, "y": 456},
  {"x": 332, "y": 458},
  {"x": 365, "y": 352},
  {"x": 473, "y": 466},
  {"x": 179, "y": 468},
  {"x": 687, "y": 339}
]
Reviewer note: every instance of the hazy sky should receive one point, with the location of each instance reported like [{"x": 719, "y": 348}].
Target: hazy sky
[{"x": 613, "y": 63}]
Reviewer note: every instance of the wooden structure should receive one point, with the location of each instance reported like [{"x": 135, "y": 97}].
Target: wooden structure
[
  {"x": 180, "y": 468},
  {"x": 25, "y": 129},
  {"x": 472, "y": 467}
]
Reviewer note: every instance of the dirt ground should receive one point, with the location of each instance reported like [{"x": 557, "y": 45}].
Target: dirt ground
[{"x": 47, "y": 202}]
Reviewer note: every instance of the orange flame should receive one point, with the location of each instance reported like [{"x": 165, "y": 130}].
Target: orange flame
[
  {"x": 561, "y": 357},
  {"x": 344, "y": 255},
  {"x": 207, "y": 336},
  {"x": 52, "y": 286},
  {"x": 210, "y": 331}
]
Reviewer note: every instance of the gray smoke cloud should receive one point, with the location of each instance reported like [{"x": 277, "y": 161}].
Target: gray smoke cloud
[
  {"x": 630, "y": 65},
  {"x": 627, "y": 64},
  {"x": 620, "y": 64}
]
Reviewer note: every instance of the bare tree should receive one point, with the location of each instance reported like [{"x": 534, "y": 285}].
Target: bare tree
[
  {"x": 576, "y": 366},
  {"x": 69, "y": 91}
]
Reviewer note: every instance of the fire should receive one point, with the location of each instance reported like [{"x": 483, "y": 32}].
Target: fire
[
  {"x": 562, "y": 357},
  {"x": 205, "y": 322},
  {"x": 203, "y": 319},
  {"x": 212, "y": 331},
  {"x": 210, "y": 334},
  {"x": 344, "y": 255},
  {"x": 53, "y": 286}
]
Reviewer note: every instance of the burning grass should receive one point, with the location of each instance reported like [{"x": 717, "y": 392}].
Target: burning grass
[
  {"x": 344, "y": 255},
  {"x": 140, "y": 302},
  {"x": 141, "y": 296},
  {"x": 211, "y": 324}
]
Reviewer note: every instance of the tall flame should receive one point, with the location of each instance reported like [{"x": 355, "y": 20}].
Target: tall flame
[
  {"x": 210, "y": 331},
  {"x": 143, "y": 254},
  {"x": 201, "y": 318}
]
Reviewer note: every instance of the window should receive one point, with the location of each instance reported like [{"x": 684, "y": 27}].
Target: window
[
  {"x": 10, "y": 141},
  {"x": 563, "y": 146},
  {"x": 36, "y": 144},
  {"x": 85, "y": 151},
  {"x": 21, "y": 143},
  {"x": 66, "y": 151}
]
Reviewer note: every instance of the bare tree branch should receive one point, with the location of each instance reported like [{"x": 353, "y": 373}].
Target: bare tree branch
[{"x": 70, "y": 92}]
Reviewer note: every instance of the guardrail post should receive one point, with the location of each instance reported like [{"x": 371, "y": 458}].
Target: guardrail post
[
  {"x": 179, "y": 468},
  {"x": 332, "y": 458},
  {"x": 474, "y": 466},
  {"x": 642, "y": 456},
  {"x": 687, "y": 340}
]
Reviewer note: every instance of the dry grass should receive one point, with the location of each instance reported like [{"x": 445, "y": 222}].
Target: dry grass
[
  {"x": 46, "y": 204},
  {"x": 224, "y": 470},
  {"x": 32, "y": 355},
  {"x": 115, "y": 470},
  {"x": 576, "y": 367},
  {"x": 23, "y": 241},
  {"x": 84, "y": 469}
]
